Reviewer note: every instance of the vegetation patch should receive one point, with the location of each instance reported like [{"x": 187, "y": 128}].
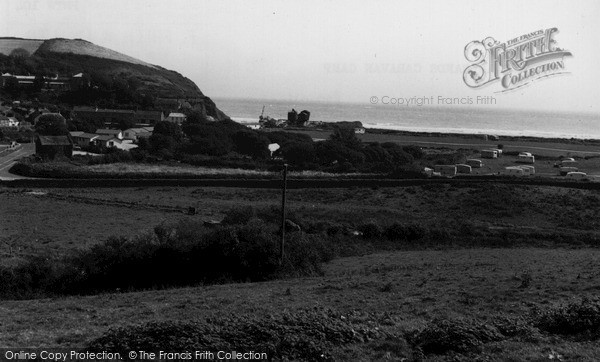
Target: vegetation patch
[
  {"x": 303, "y": 335},
  {"x": 455, "y": 335},
  {"x": 580, "y": 319}
]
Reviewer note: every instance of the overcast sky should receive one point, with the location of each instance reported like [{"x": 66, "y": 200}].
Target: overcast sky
[{"x": 327, "y": 50}]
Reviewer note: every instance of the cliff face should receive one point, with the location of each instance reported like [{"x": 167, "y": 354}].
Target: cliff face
[{"x": 79, "y": 56}]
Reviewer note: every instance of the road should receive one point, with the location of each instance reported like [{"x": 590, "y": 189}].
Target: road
[{"x": 7, "y": 160}]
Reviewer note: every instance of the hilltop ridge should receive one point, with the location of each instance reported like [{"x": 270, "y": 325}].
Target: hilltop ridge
[{"x": 105, "y": 67}]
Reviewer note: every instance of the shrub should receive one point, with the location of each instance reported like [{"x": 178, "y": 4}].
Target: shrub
[
  {"x": 371, "y": 230},
  {"x": 441, "y": 336},
  {"x": 401, "y": 232},
  {"x": 174, "y": 255},
  {"x": 575, "y": 318},
  {"x": 239, "y": 216},
  {"x": 304, "y": 335}
]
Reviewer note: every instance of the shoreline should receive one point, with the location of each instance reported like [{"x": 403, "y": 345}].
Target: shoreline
[
  {"x": 465, "y": 136},
  {"x": 476, "y": 134},
  {"x": 481, "y": 136}
]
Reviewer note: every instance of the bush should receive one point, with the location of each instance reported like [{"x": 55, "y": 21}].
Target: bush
[
  {"x": 304, "y": 335},
  {"x": 174, "y": 255},
  {"x": 401, "y": 232},
  {"x": 575, "y": 318},
  {"x": 239, "y": 216},
  {"x": 371, "y": 230},
  {"x": 441, "y": 336}
]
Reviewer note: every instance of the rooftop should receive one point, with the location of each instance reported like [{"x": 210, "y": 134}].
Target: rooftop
[{"x": 54, "y": 140}]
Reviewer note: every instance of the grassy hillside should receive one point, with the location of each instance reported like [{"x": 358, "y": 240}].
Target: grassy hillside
[
  {"x": 83, "y": 47},
  {"x": 8, "y": 45},
  {"x": 105, "y": 67},
  {"x": 390, "y": 303},
  {"x": 510, "y": 275}
]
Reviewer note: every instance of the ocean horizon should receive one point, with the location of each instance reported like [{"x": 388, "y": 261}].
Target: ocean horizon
[{"x": 443, "y": 119}]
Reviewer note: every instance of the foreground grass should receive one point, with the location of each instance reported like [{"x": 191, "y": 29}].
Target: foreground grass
[{"x": 395, "y": 292}]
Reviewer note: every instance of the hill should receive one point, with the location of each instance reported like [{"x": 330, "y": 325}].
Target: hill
[
  {"x": 83, "y": 47},
  {"x": 8, "y": 45},
  {"x": 106, "y": 68}
]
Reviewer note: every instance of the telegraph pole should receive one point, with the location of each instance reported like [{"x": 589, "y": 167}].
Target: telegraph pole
[{"x": 284, "y": 190}]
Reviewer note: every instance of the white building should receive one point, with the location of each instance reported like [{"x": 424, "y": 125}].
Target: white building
[{"x": 178, "y": 118}]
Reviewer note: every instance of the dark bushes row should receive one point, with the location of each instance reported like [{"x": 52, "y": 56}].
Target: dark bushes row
[
  {"x": 183, "y": 254},
  {"x": 313, "y": 334},
  {"x": 580, "y": 320},
  {"x": 302, "y": 335}
]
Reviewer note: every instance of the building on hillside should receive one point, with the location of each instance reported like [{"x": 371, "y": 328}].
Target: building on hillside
[
  {"x": 106, "y": 116},
  {"x": 51, "y": 147},
  {"x": 178, "y": 118},
  {"x": 83, "y": 139},
  {"x": 136, "y": 133},
  {"x": 359, "y": 130},
  {"x": 9, "y": 122},
  {"x": 60, "y": 83},
  {"x": 107, "y": 141},
  {"x": 118, "y": 134},
  {"x": 148, "y": 117}
]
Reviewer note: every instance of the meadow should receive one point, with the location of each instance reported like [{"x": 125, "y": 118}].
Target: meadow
[{"x": 504, "y": 272}]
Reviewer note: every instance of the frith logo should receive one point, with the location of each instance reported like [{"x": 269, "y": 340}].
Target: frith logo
[{"x": 514, "y": 63}]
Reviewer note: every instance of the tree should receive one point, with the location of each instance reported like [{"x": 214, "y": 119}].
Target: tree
[
  {"x": 19, "y": 53},
  {"x": 12, "y": 87},
  {"x": 169, "y": 129},
  {"x": 299, "y": 153},
  {"x": 124, "y": 124},
  {"x": 51, "y": 124},
  {"x": 346, "y": 136},
  {"x": 251, "y": 143},
  {"x": 38, "y": 83}
]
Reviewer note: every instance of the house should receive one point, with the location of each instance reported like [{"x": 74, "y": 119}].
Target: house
[
  {"x": 149, "y": 117},
  {"x": 110, "y": 132},
  {"x": 106, "y": 140},
  {"x": 136, "y": 133},
  {"x": 56, "y": 82},
  {"x": 359, "y": 130},
  {"x": 109, "y": 141},
  {"x": 50, "y": 147},
  {"x": 178, "y": 118},
  {"x": 8, "y": 122},
  {"x": 252, "y": 125},
  {"x": 106, "y": 116},
  {"x": 83, "y": 139}
]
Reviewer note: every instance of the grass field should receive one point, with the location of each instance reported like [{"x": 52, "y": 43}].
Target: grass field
[
  {"x": 394, "y": 292},
  {"x": 386, "y": 296},
  {"x": 57, "y": 220}
]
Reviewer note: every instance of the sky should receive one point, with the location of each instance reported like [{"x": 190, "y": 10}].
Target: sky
[{"x": 331, "y": 51}]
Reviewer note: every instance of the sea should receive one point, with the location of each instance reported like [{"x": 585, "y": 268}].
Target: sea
[{"x": 449, "y": 119}]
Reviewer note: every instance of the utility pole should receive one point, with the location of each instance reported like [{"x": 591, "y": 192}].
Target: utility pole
[{"x": 284, "y": 190}]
